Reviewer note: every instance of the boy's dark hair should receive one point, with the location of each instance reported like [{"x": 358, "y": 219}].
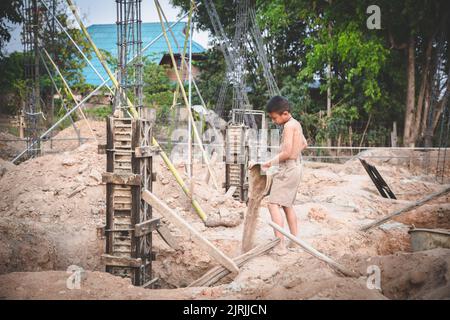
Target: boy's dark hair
[{"x": 278, "y": 104}]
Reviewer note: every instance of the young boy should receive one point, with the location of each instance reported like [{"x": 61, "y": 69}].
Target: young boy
[{"x": 286, "y": 181}]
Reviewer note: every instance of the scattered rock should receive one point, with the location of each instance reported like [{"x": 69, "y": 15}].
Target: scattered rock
[
  {"x": 96, "y": 175},
  {"x": 317, "y": 214},
  {"x": 68, "y": 161}
]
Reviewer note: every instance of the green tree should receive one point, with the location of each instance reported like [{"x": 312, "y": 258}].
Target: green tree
[
  {"x": 12, "y": 84},
  {"x": 158, "y": 90},
  {"x": 9, "y": 14}
]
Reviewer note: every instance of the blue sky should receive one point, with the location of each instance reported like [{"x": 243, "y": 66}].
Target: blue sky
[{"x": 104, "y": 11}]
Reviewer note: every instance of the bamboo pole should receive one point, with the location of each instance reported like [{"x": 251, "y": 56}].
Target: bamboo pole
[
  {"x": 165, "y": 158},
  {"x": 184, "y": 64},
  {"x": 69, "y": 91},
  {"x": 59, "y": 121},
  {"x": 313, "y": 251},
  {"x": 180, "y": 181},
  {"x": 183, "y": 92},
  {"x": 58, "y": 91},
  {"x": 77, "y": 47}
]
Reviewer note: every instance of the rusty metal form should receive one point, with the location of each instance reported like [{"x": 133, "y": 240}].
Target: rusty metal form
[
  {"x": 129, "y": 221},
  {"x": 237, "y": 149},
  {"x": 129, "y": 43},
  {"x": 378, "y": 180},
  {"x": 236, "y": 161},
  {"x": 32, "y": 103}
]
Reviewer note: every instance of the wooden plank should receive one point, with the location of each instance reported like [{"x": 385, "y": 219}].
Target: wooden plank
[
  {"x": 122, "y": 178},
  {"x": 144, "y": 228},
  {"x": 114, "y": 261},
  {"x": 308, "y": 248},
  {"x": 136, "y": 213},
  {"x": 147, "y": 151},
  {"x": 406, "y": 209},
  {"x": 109, "y": 187},
  {"x": 165, "y": 234},
  {"x": 150, "y": 282},
  {"x": 201, "y": 241},
  {"x": 230, "y": 191},
  {"x": 219, "y": 272},
  {"x": 257, "y": 184}
]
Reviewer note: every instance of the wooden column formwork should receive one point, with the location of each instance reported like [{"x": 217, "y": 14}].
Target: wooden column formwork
[
  {"x": 129, "y": 222},
  {"x": 236, "y": 161}
]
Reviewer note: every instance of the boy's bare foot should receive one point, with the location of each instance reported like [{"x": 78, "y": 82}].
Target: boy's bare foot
[
  {"x": 292, "y": 245},
  {"x": 280, "y": 249}
]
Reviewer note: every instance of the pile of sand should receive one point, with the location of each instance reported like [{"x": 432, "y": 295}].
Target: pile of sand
[{"x": 10, "y": 146}]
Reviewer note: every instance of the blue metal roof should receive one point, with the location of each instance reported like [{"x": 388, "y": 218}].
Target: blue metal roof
[{"x": 105, "y": 37}]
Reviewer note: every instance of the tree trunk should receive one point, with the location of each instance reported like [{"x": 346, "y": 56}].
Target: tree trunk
[
  {"x": 440, "y": 106},
  {"x": 410, "y": 93},
  {"x": 419, "y": 115},
  {"x": 426, "y": 111}
]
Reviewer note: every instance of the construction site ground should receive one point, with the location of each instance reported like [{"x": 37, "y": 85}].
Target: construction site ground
[{"x": 52, "y": 208}]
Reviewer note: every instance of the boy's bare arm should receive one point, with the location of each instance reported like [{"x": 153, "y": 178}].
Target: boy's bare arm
[{"x": 304, "y": 141}]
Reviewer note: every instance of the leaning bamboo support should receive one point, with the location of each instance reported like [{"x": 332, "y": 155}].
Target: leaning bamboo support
[
  {"x": 180, "y": 181},
  {"x": 195, "y": 204},
  {"x": 174, "y": 218},
  {"x": 308, "y": 248},
  {"x": 68, "y": 114},
  {"x": 183, "y": 92},
  {"x": 406, "y": 209},
  {"x": 66, "y": 85},
  {"x": 219, "y": 272}
]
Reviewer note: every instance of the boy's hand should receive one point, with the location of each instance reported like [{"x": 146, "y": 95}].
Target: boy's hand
[{"x": 266, "y": 165}]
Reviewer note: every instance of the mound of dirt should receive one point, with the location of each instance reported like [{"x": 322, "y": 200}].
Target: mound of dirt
[
  {"x": 67, "y": 139},
  {"x": 417, "y": 275},
  {"x": 10, "y": 146},
  {"x": 59, "y": 199},
  {"x": 5, "y": 166},
  {"x": 94, "y": 285}
]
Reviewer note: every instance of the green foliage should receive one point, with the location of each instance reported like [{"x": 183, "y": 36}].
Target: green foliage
[
  {"x": 158, "y": 90},
  {"x": 69, "y": 61},
  {"x": 9, "y": 14},
  {"x": 356, "y": 61},
  {"x": 212, "y": 73},
  {"x": 99, "y": 112},
  {"x": 12, "y": 83}
]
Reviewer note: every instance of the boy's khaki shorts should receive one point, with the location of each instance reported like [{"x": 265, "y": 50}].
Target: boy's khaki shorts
[{"x": 285, "y": 183}]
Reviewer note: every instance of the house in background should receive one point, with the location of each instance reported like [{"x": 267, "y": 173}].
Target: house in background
[{"x": 105, "y": 37}]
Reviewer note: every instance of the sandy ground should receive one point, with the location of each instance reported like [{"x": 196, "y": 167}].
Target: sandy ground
[
  {"x": 52, "y": 206},
  {"x": 10, "y": 148}
]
